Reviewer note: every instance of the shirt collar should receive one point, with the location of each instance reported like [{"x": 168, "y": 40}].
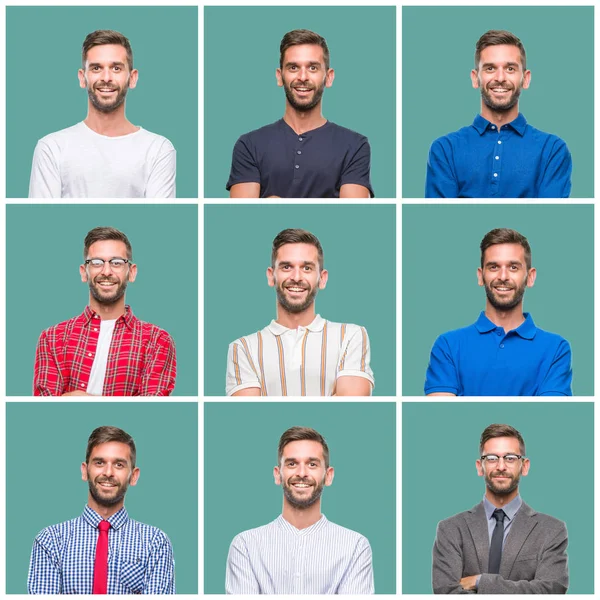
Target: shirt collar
[
  {"x": 322, "y": 522},
  {"x": 127, "y": 317},
  {"x": 277, "y": 329},
  {"x": 481, "y": 125},
  {"x": 116, "y": 521},
  {"x": 526, "y": 329},
  {"x": 510, "y": 510}
]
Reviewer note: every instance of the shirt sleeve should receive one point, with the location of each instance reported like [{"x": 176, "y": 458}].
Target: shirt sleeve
[
  {"x": 160, "y": 371},
  {"x": 241, "y": 371},
  {"x": 239, "y": 576},
  {"x": 556, "y": 180},
  {"x": 160, "y": 573},
  {"x": 358, "y": 169},
  {"x": 441, "y": 180},
  {"x": 442, "y": 374},
  {"x": 45, "y": 173},
  {"x": 47, "y": 378},
  {"x": 447, "y": 564},
  {"x": 558, "y": 380},
  {"x": 161, "y": 183},
  {"x": 356, "y": 355},
  {"x": 358, "y": 579},
  {"x": 44, "y": 568},
  {"x": 244, "y": 168}
]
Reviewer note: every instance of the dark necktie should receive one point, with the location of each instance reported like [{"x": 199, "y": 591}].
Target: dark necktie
[
  {"x": 101, "y": 561},
  {"x": 496, "y": 543}
]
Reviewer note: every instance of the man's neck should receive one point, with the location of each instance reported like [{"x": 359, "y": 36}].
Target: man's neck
[
  {"x": 295, "y": 320},
  {"x": 301, "y": 518},
  {"x": 303, "y": 121},
  {"x": 500, "y": 500},
  {"x": 112, "y": 124},
  {"x": 507, "y": 319},
  {"x": 104, "y": 511},
  {"x": 501, "y": 117},
  {"x": 108, "y": 312}
]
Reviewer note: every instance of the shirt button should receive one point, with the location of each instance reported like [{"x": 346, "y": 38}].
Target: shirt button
[
  {"x": 95, "y": 329},
  {"x": 499, "y": 141},
  {"x": 300, "y": 139},
  {"x": 299, "y": 152},
  {"x": 83, "y": 385},
  {"x": 497, "y": 158},
  {"x": 89, "y": 354},
  {"x": 499, "y": 332},
  {"x": 297, "y": 166},
  {"x": 493, "y": 127},
  {"x": 495, "y": 174},
  {"x": 501, "y": 345}
]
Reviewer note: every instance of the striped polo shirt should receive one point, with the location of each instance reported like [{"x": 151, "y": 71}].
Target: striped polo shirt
[
  {"x": 298, "y": 362},
  {"x": 280, "y": 559}
]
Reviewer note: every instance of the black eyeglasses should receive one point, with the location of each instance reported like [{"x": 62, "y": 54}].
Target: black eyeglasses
[
  {"x": 509, "y": 459},
  {"x": 116, "y": 264}
]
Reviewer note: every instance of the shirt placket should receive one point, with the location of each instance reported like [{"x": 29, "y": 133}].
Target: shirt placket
[
  {"x": 89, "y": 353},
  {"x": 496, "y": 173},
  {"x": 298, "y": 157},
  {"x": 300, "y": 565}
]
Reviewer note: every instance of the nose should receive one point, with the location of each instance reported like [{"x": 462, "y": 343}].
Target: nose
[
  {"x": 107, "y": 74},
  {"x": 297, "y": 274},
  {"x": 503, "y": 273},
  {"x": 302, "y": 470},
  {"x": 303, "y": 73},
  {"x": 501, "y": 462},
  {"x": 108, "y": 469},
  {"x": 106, "y": 270},
  {"x": 500, "y": 74}
]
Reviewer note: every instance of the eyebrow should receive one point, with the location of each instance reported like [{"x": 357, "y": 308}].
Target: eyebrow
[
  {"x": 312, "y": 63},
  {"x": 506, "y": 64},
  {"x": 493, "y": 263},
  {"x": 115, "y": 63},
  {"x": 309, "y": 459},
  {"x": 123, "y": 460},
  {"x": 285, "y": 263}
]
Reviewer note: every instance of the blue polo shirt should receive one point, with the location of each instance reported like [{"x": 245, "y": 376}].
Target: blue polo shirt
[
  {"x": 314, "y": 164},
  {"x": 484, "y": 161},
  {"x": 483, "y": 360}
]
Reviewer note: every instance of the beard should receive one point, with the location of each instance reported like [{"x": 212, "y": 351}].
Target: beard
[
  {"x": 505, "y": 303},
  {"x": 101, "y": 297},
  {"x": 104, "y": 500},
  {"x": 303, "y": 502},
  {"x": 106, "y": 106},
  {"x": 502, "y": 491},
  {"x": 295, "y": 306},
  {"x": 303, "y": 106},
  {"x": 501, "y": 106}
]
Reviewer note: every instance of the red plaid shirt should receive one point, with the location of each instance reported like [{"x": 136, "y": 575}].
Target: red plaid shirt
[{"x": 141, "y": 359}]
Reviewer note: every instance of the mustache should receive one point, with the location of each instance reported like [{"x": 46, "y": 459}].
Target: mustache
[{"x": 104, "y": 479}]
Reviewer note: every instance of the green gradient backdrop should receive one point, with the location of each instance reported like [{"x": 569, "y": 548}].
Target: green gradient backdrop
[
  {"x": 359, "y": 244},
  {"x": 438, "y": 48},
  {"x": 362, "y": 442},
  {"x": 43, "y": 93},
  {"x": 44, "y": 245},
  {"x": 241, "y": 53},
  {"x": 440, "y": 443},
  {"x": 440, "y": 256},
  {"x": 45, "y": 446}
]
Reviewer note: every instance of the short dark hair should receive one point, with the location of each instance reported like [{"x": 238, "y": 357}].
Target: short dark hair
[
  {"x": 295, "y": 434},
  {"x": 298, "y": 37},
  {"x": 296, "y": 236},
  {"x": 105, "y": 434},
  {"x": 101, "y": 234},
  {"x": 505, "y": 236},
  {"x": 497, "y": 37},
  {"x": 495, "y": 431},
  {"x": 101, "y": 37}
]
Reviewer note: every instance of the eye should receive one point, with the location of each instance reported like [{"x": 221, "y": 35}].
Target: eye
[
  {"x": 293, "y": 68},
  {"x": 119, "y": 465},
  {"x": 116, "y": 68},
  {"x": 98, "y": 462},
  {"x": 313, "y": 464},
  {"x": 307, "y": 268},
  {"x": 314, "y": 68}
]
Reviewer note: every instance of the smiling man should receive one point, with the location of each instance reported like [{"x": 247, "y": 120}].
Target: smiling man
[
  {"x": 302, "y": 155},
  {"x": 300, "y": 353},
  {"x": 501, "y": 545},
  {"x": 301, "y": 552},
  {"x": 103, "y": 551},
  {"x": 104, "y": 156},
  {"x": 500, "y": 155},
  {"x": 105, "y": 351},
  {"x": 503, "y": 353}
]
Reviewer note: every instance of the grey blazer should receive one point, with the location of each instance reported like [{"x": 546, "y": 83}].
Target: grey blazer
[{"x": 534, "y": 558}]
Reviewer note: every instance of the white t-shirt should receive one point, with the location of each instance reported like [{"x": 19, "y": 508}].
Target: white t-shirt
[
  {"x": 79, "y": 163},
  {"x": 96, "y": 382}
]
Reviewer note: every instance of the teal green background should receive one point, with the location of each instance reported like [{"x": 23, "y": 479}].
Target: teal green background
[
  {"x": 440, "y": 444},
  {"x": 440, "y": 256},
  {"x": 43, "y": 93},
  {"x": 438, "y": 50},
  {"x": 359, "y": 244},
  {"x": 44, "y": 248},
  {"x": 362, "y": 444},
  {"x": 241, "y": 53},
  {"x": 45, "y": 446}
]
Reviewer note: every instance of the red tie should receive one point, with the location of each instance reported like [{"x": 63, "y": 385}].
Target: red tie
[{"x": 101, "y": 561}]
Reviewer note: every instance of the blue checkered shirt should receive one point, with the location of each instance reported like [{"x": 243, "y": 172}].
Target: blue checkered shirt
[{"x": 140, "y": 557}]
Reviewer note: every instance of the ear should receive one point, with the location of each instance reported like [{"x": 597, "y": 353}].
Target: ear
[
  {"x": 277, "y": 475},
  {"x": 323, "y": 279},
  {"x": 134, "y": 476},
  {"x": 525, "y": 468},
  {"x": 83, "y": 273},
  {"x": 480, "y": 276},
  {"x": 329, "y": 78},
  {"x": 270, "y": 277},
  {"x": 132, "y": 273},
  {"x": 479, "y": 467},
  {"x": 329, "y": 476},
  {"x": 84, "y": 472},
  {"x": 279, "y": 77},
  {"x": 526, "y": 79},
  {"x": 133, "y": 78},
  {"x": 81, "y": 77},
  {"x": 531, "y": 275},
  {"x": 474, "y": 78}
]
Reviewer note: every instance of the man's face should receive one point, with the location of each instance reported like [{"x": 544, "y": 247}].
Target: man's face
[
  {"x": 302, "y": 473},
  {"x": 505, "y": 275},
  {"x": 296, "y": 276},
  {"x": 107, "y": 284},
  {"x": 502, "y": 479},
  {"x": 109, "y": 473},
  {"x": 303, "y": 76},
  {"x": 500, "y": 76},
  {"x": 107, "y": 76}
]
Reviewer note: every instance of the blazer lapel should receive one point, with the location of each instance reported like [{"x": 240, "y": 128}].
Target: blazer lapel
[
  {"x": 476, "y": 522},
  {"x": 519, "y": 531}
]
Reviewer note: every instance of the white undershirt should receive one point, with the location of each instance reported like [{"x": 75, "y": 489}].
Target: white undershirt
[{"x": 96, "y": 382}]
